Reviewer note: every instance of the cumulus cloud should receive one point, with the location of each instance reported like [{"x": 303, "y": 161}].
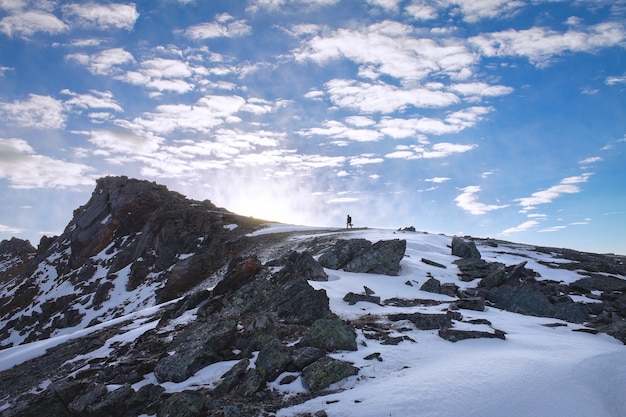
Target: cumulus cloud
[
  {"x": 26, "y": 24},
  {"x": 290, "y": 5},
  {"x": 337, "y": 130},
  {"x": 10, "y": 230},
  {"x": 615, "y": 80},
  {"x": 102, "y": 16},
  {"x": 384, "y": 98},
  {"x": 480, "y": 89},
  {"x": 540, "y": 45},
  {"x": 566, "y": 186},
  {"x": 390, "y": 48},
  {"x": 40, "y": 112},
  {"x": 24, "y": 168},
  {"x": 93, "y": 100},
  {"x": 468, "y": 201},
  {"x": 224, "y": 26},
  {"x": 475, "y": 10},
  {"x": 107, "y": 62}
]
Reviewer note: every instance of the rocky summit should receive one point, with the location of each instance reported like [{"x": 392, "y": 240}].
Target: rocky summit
[{"x": 151, "y": 304}]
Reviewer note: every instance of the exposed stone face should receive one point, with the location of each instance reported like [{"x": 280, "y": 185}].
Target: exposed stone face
[
  {"x": 360, "y": 255},
  {"x": 464, "y": 249}
]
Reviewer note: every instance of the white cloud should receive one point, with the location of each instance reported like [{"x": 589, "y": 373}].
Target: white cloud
[
  {"x": 338, "y": 130},
  {"x": 566, "y": 186},
  {"x": 421, "y": 10},
  {"x": 95, "y": 100},
  {"x": 124, "y": 142},
  {"x": 23, "y": 168},
  {"x": 390, "y": 48},
  {"x": 40, "y": 112},
  {"x": 540, "y": 44},
  {"x": 552, "y": 229},
  {"x": 591, "y": 160},
  {"x": 475, "y": 10},
  {"x": 102, "y": 16},
  {"x": 365, "y": 160},
  {"x": 616, "y": 80},
  {"x": 438, "y": 180},
  {"x": 26, "y": 24},
  {"x": 480, "y": 89},
  {"x": 225, "y": 26},
  {"x": 202, "y": 116},
  {"x": 10, "y": 230},
  {"x": 384, "y": 98},
  {"x": 105, "y": 62},
  {"x": 438, "y": 150},
  {"x": 283, "y": 5},
  {"x": 389, "y": 5},
  {"x": 521, "y": 228},
  {"x": 468, "y": 201}
]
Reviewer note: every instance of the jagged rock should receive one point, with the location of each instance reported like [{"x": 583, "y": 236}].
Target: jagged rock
[
  {"x": 232, "y": 377},
  {"x": 352, "y": 298},
  {"x": 93, "y": 394},
  {"x": 617, "y": 329},
  {"x": 360, "y": 255},
  {"x": 471, "y": 303},
  {"x": 305, "y": 266},
  {"x": 601, "y": 283},
  {"x": 200, "y": 345},
  {"x": 326, "y": 371},
  {"x": 454, "y": 335},
  {"x": 473, "y": 268},
  {"x": 343, "y": 252},
  {"x": 183, "y": 404},
  {"x": 273, "y": 360},
  {"x": 425, "y": 321},
  {"x": 431, "y": 285},
  {"x": 251, "y": 383},
  {"x": 330, "y": 333},
  {"x": 306, "y": 355},
  {"x": 146, "y": 399},
  {"x": 433, "y": 263},
  {"x": 464, "y": 249}
]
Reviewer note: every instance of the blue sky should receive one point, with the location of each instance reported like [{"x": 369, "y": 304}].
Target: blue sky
[{"x": 485, "y": 117}]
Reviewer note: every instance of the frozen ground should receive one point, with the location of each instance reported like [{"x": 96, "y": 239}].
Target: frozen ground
[{"x": 537, "y": 371}]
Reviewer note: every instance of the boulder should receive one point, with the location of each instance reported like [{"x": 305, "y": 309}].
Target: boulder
[
  {"x": 360, "y": 255},
  {"x": 464, "y": 249},
  {"x": 331, "y": 334},
  {"x": 183, "y": 404},
  {"x": 352, "y": 298},
  {"x": 425, "y": 321},
  {"x": 431, "y": 285},
  {"x": 303, "y": 265},
  {"x": 471, "y": 303},
  {"x": 327, "y": 371},
  {"x": 273, "y": 360}
]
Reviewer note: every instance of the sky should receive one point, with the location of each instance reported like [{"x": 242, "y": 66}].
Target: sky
[{"x": 492, "y": 118}]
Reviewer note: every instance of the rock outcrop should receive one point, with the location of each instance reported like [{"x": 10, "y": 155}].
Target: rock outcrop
[{"x": 360, "y": 255}]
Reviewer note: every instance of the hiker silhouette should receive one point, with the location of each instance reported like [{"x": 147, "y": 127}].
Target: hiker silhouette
[{"x": 348, "y": 222}]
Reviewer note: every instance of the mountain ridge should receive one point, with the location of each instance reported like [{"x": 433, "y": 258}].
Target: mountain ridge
[{"x": 145, "y": 290}]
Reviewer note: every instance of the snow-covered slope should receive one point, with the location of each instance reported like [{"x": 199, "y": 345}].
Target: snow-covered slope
[{"x": 542, "y": 367}]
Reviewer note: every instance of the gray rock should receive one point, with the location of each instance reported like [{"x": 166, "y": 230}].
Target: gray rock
[
  {"x": 251, "y": 383},
  {"x": 464, "y": 249},
  {"x": 183, "y": 404},
  {"x": 273, "y": 360},
  {"x": 331, "y": 334},
  {"x": 343, "y": 252},
  {"x": 473, "y": 268},
  {"x": 360, "y": 255},
  {"x": 303, "y": 265},
  {"x": 352, "y": 298},
  {"x": 327, "y": 371},
  {"x": 306, "y": 355},
  {"x": 431, "y": 285},
  {"x": 425, "y": 321},
  {"x": 383, "y": 257},
  {"x": 454, "y": 335},
  {"x": 471, "y": 303}
]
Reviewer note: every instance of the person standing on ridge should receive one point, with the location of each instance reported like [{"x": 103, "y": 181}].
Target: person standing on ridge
[{"x": 348, "y": 222}]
